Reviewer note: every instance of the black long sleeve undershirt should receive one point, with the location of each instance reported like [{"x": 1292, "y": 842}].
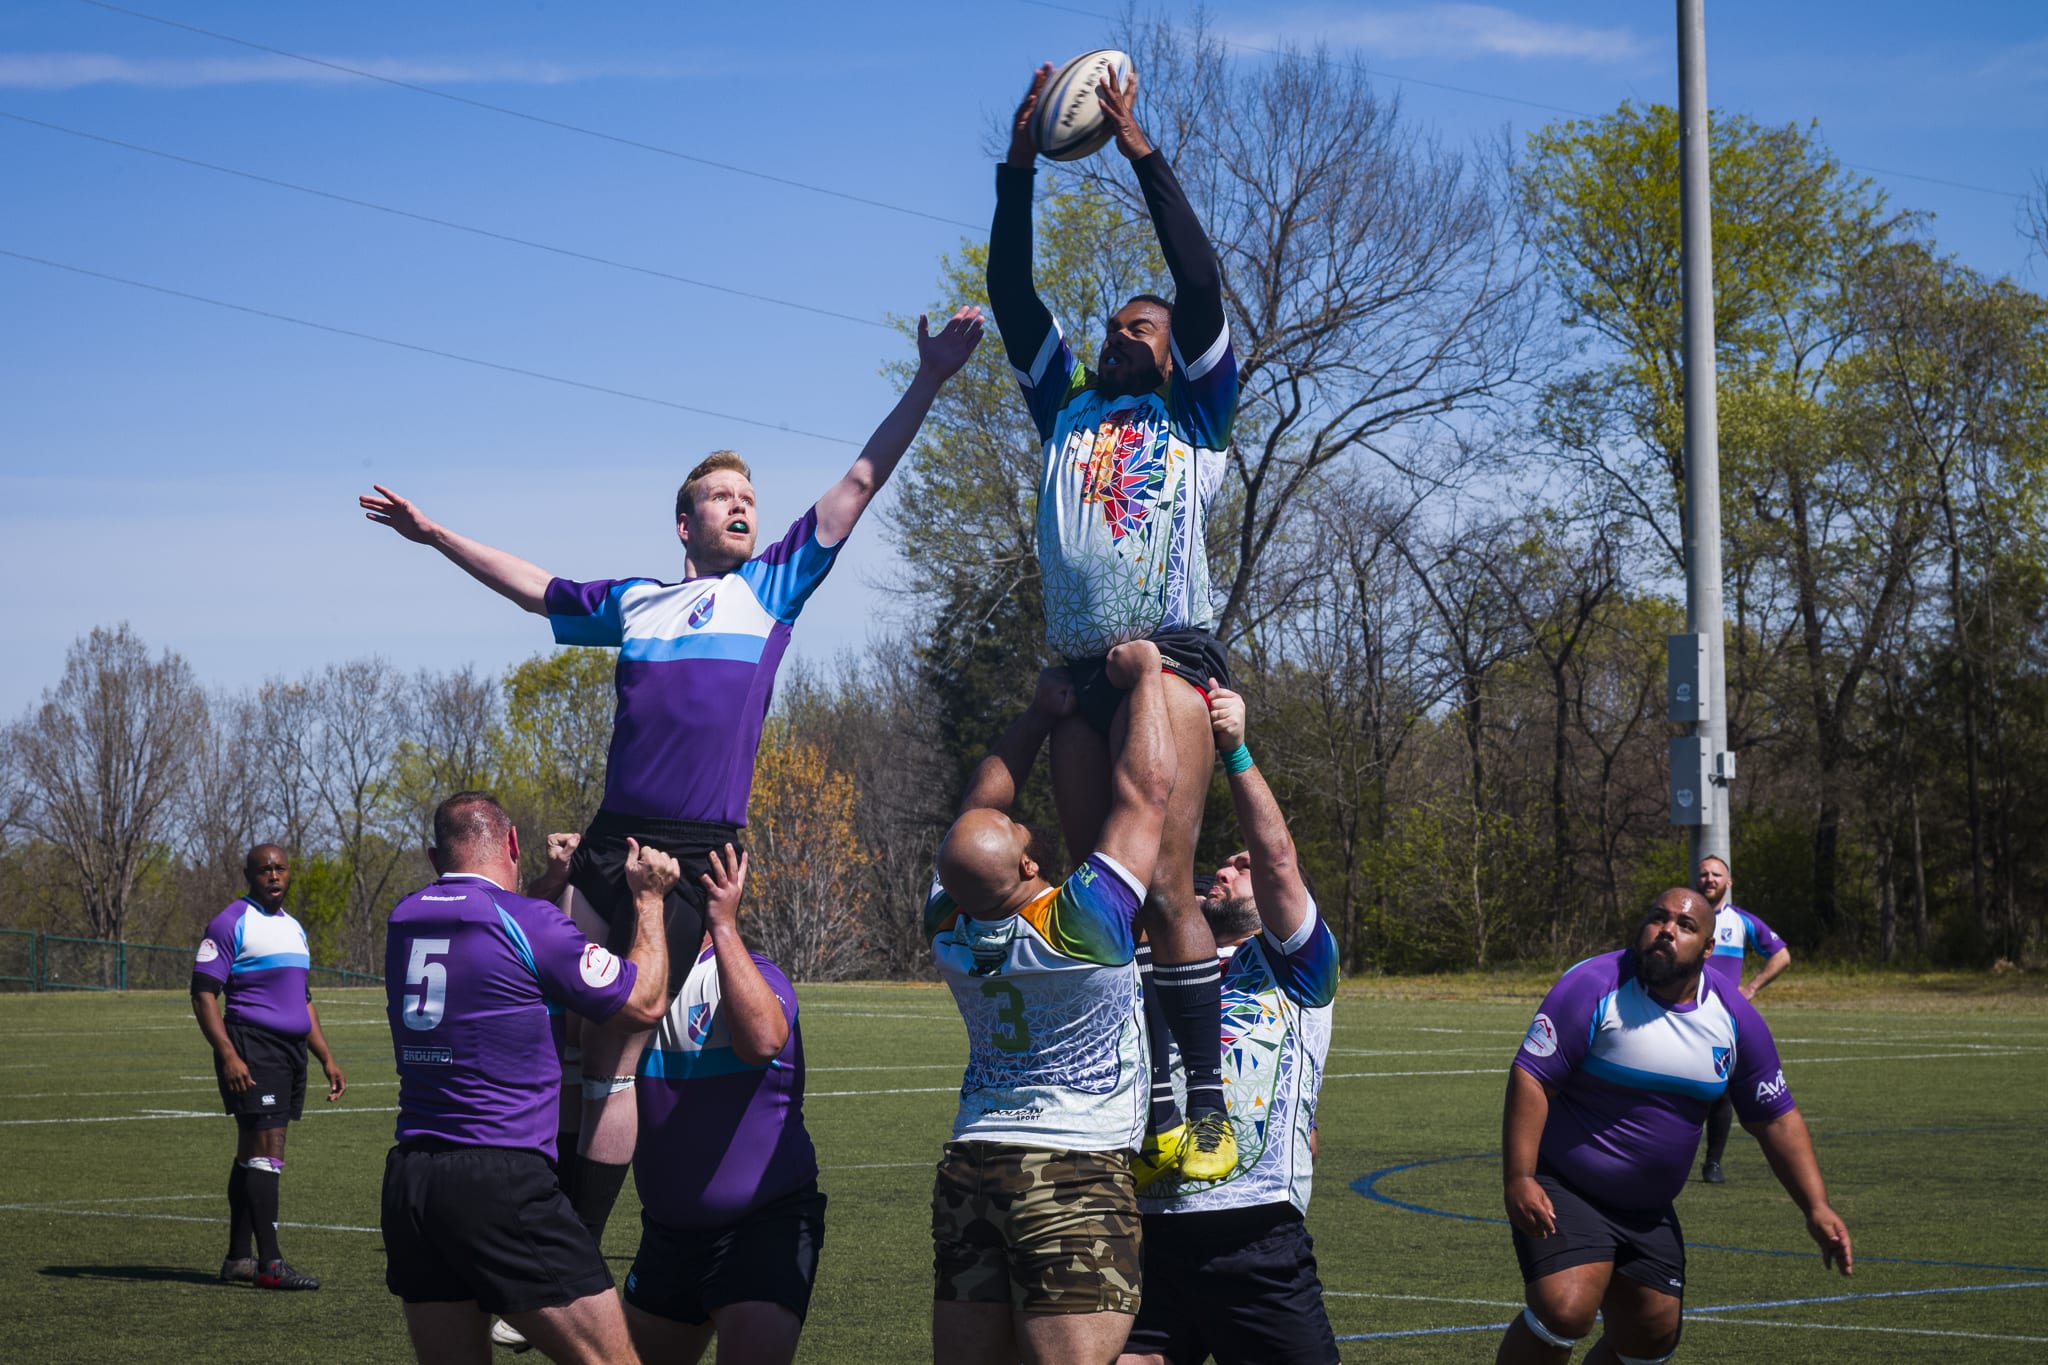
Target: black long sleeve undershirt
[{"x": 1022, "y": 316}]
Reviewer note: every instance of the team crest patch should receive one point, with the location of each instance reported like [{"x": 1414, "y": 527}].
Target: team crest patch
[
  {"x": 698, "y": 1026},
  {"x": 599, "y": 967},
  {"x": 1542, "y": 1037},
  {"x": 208, "y": 950},
  {"x": 701, "y": 613},
  {"x": 1721, "y": 1063}
]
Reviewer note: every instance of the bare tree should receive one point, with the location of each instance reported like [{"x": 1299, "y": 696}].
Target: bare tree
[
  {"x": 1377, "y": 282},
  {"x": 103, "y": 759},
  {"x": 225, "y": 806}
]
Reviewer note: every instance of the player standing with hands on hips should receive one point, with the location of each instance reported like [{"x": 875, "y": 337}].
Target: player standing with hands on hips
[{"x": 1133, "y": 454}]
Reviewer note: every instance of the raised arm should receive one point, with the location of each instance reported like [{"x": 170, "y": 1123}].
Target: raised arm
[
  {"x": 1277, "y": 886},
  {"x": 1007, "y": 766},
  {"x": 649, "y": 875},
  {"x": 1021, "y": 316},
  {"x": 505, "y": 574},
  {"x": 1190, "y": 259},
  {"x": 1144, "y": 772},
  {"x": 1788, "y": 1146},
  {"x": 939, "y": 358},
  {"x": 547, "y": 885},
  {"x": 754, "y": 1016}
]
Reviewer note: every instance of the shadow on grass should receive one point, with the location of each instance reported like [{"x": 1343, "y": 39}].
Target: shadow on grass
[{"x": 137, "y": 1274}]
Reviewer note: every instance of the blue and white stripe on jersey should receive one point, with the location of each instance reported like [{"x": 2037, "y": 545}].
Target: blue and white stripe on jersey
[
  {"x": 1639, "y": 1044},
  {"x": 265, "y": 942}
]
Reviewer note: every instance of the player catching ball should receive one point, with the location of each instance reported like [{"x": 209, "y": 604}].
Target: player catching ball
[
  {"x": 1133, "y": 454},
  {"x": 697, "y": 662}
]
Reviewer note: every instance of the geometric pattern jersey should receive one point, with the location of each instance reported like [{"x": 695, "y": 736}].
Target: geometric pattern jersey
[
  {"x": 1276, "y": 1034},
  {"x": 1049, "y": 996}
]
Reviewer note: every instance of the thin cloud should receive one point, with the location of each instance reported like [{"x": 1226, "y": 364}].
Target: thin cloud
[
  {"x": 72, "y": 70},
  {"x": 1458, "y": 30}
]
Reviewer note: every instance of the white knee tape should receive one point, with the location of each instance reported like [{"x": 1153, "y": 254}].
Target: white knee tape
[
  {"x": 1544, "y": 1334},
  {"x": 604, "y": 1087}
]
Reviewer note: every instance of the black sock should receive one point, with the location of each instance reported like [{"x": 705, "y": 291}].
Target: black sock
[
  {"x": 1191, "y": 997},
  {"x": 239, "y": 1223},
  {"x": 597, "y": 1188},
  {"x": 1720, "y": 1119},
  {"x": 260, "y": 1182},
  {"x": 1165, "y": 1108},
  {"x": 568, "y": 1163}
]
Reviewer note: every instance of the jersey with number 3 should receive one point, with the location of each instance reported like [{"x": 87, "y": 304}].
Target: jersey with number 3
[
  {"x": 472, "y": 973},
  {"x": 1055, "y": 1037}
]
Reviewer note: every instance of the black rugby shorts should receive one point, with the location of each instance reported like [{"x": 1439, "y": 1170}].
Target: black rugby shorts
[
  {"x": 1646, "y": 1245},
  {"x": 277, "y": 1062},
  {"x": 769, "y": 1256},
  {"x": 1238, "y": 1285},
  {"x": 598, "y": 870},
  {"x": 1194, "y": 656}
]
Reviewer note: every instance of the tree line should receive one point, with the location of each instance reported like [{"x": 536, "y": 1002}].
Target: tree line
[{"x": 1447, "y": 559}]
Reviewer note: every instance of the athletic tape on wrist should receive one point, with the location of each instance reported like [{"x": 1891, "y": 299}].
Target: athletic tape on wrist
[
  {"x": 1238, "y": 759},
  {"x": 604, "y": 1087},
  {"x": 1544, "y": 1334}
]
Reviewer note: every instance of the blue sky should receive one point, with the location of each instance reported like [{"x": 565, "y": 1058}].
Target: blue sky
[{"x": 193, "y": 470}]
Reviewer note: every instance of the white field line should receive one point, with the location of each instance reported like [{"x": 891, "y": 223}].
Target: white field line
[
  {"x": 164, "y": 1217},
  {"x": 1419, "y": 1298},
  {"x": 1501, "y": 1070},
  {"x": 1849, "y": 1327}
]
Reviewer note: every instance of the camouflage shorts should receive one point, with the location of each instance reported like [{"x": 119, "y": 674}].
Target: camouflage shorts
[{"x": 1043, "y": 1231}]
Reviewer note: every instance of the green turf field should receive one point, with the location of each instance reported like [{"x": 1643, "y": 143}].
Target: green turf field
[{"x": 1930, "y": 1110}]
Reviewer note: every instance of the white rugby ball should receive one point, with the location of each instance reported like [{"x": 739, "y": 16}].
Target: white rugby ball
[{"x": 1068, "y": 123}]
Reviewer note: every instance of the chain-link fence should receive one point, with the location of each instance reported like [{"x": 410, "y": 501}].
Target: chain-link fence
[{"x": 31, "y": 960}]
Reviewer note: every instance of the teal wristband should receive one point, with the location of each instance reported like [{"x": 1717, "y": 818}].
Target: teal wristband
[{"x": 1237, "y": 760}]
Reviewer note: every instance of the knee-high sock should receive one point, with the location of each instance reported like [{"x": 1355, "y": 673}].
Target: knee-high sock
[
  {"x": 239, "y": 1222},
  {"x": 597, "y": 1188},
  {"x": 1719, "y": 1120},
  {"x": 1191, "y": 997},
  {"x": 1165, "y": 1108},
  {"x": 260, "y": 1178}
]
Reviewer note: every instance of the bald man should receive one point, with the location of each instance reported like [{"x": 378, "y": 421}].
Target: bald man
[
  {"x": 1625, "y": 1056},
  {"x": 255, "y": 1009},
  {"x": 1034, "y": 1216}
]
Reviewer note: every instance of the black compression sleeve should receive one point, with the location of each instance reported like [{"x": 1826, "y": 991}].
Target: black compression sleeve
[
  {"x": 1020, "y": 315},
  {"x": 1197, "y": 274},
  {"x": 202, "y": 984}
]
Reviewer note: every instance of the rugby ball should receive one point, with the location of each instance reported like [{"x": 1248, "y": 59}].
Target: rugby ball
[{"x": 1068, "y": 123}]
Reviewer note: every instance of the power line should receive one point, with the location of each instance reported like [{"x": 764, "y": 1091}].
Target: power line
[
  {"x": 1512, "y": 99},
  {"x": 440, "y": 222},
  {"x": 422, "y": 350},
  {"x": 545, "y": 122}
]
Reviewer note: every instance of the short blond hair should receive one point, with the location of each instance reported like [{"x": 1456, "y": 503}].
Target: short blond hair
[{"x": 686, "y": 496}]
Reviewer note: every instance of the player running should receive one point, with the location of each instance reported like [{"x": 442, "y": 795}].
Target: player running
[
  {"x": 1034, "y": 1211},
  {"x": 1229, "y": 1268},
  {"x": 727, "y": 1247},
  {"x": 1605, "y": 1099},
  {"x": 697, "y": 663},
  {"x": 474, "y": 1219},
  {"x": 1736, "y": 933},
  {"x": 1133, "y": 454},
  {"x": 255, "y": 955}
]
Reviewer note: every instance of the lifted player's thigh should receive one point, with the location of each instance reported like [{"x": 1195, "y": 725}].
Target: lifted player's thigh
[{"x": 1080, "y": 785}]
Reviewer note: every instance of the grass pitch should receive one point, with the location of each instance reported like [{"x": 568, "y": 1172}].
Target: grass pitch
[{"x": 1929, "y": 1103}]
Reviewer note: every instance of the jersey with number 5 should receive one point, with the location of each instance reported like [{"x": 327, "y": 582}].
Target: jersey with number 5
[
  {"x": 1055, "y": 1036},
  {"x": 472, "y": 973}
]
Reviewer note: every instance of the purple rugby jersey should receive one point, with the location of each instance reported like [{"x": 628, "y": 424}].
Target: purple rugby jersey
[
  {"x": 472, "y": 974},
  {"x": 1736, "y": 933},
  {"x": 260, "y": 958},
  {"x": 696, "y": 670},
  {"x": 1633, "y": 1078},
  {"x": 719, "y": 1138}
]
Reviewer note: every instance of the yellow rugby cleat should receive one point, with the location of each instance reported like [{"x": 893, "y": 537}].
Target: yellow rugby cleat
[
  {"x": 1161, "y": 1154},
  {"x": 1211, "y": 1151}
]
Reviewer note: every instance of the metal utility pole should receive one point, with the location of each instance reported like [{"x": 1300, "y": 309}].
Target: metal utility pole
[{"x": 1701, "y": 766}]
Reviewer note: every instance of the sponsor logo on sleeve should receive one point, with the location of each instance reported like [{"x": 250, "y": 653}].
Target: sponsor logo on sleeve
[
  {"x": 599, "y": 967},
  {"x": 1542, "y": 1038},
  {"x": 208, "y": 950},
  {"x": 1772, "y": 1089}
]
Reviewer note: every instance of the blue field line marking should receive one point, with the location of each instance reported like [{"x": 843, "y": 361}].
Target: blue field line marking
[
  {"x": 1368, "y": 1186},
  {"x": 1718, "y": 1308},
  {"x": 1875, "y": 1294}
]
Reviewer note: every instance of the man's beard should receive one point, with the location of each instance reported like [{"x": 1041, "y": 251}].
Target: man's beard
[
  {"x": 1658, "y": 969},
  {"x": 1232, "y": 918}
]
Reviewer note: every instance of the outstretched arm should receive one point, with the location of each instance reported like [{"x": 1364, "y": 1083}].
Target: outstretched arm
[
  {"x": 939, "y": 358},
  {"x": 1277, "y": 886},
  {"x": 1788, "y": 1146},
  {"x": 505, "y": 574},
  {"x": 1023, "y": 319},
  {"x": 999, "y": 776},
  {"x": 753, "y": 1014},
  {"x": 1190, "y": 259}
]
